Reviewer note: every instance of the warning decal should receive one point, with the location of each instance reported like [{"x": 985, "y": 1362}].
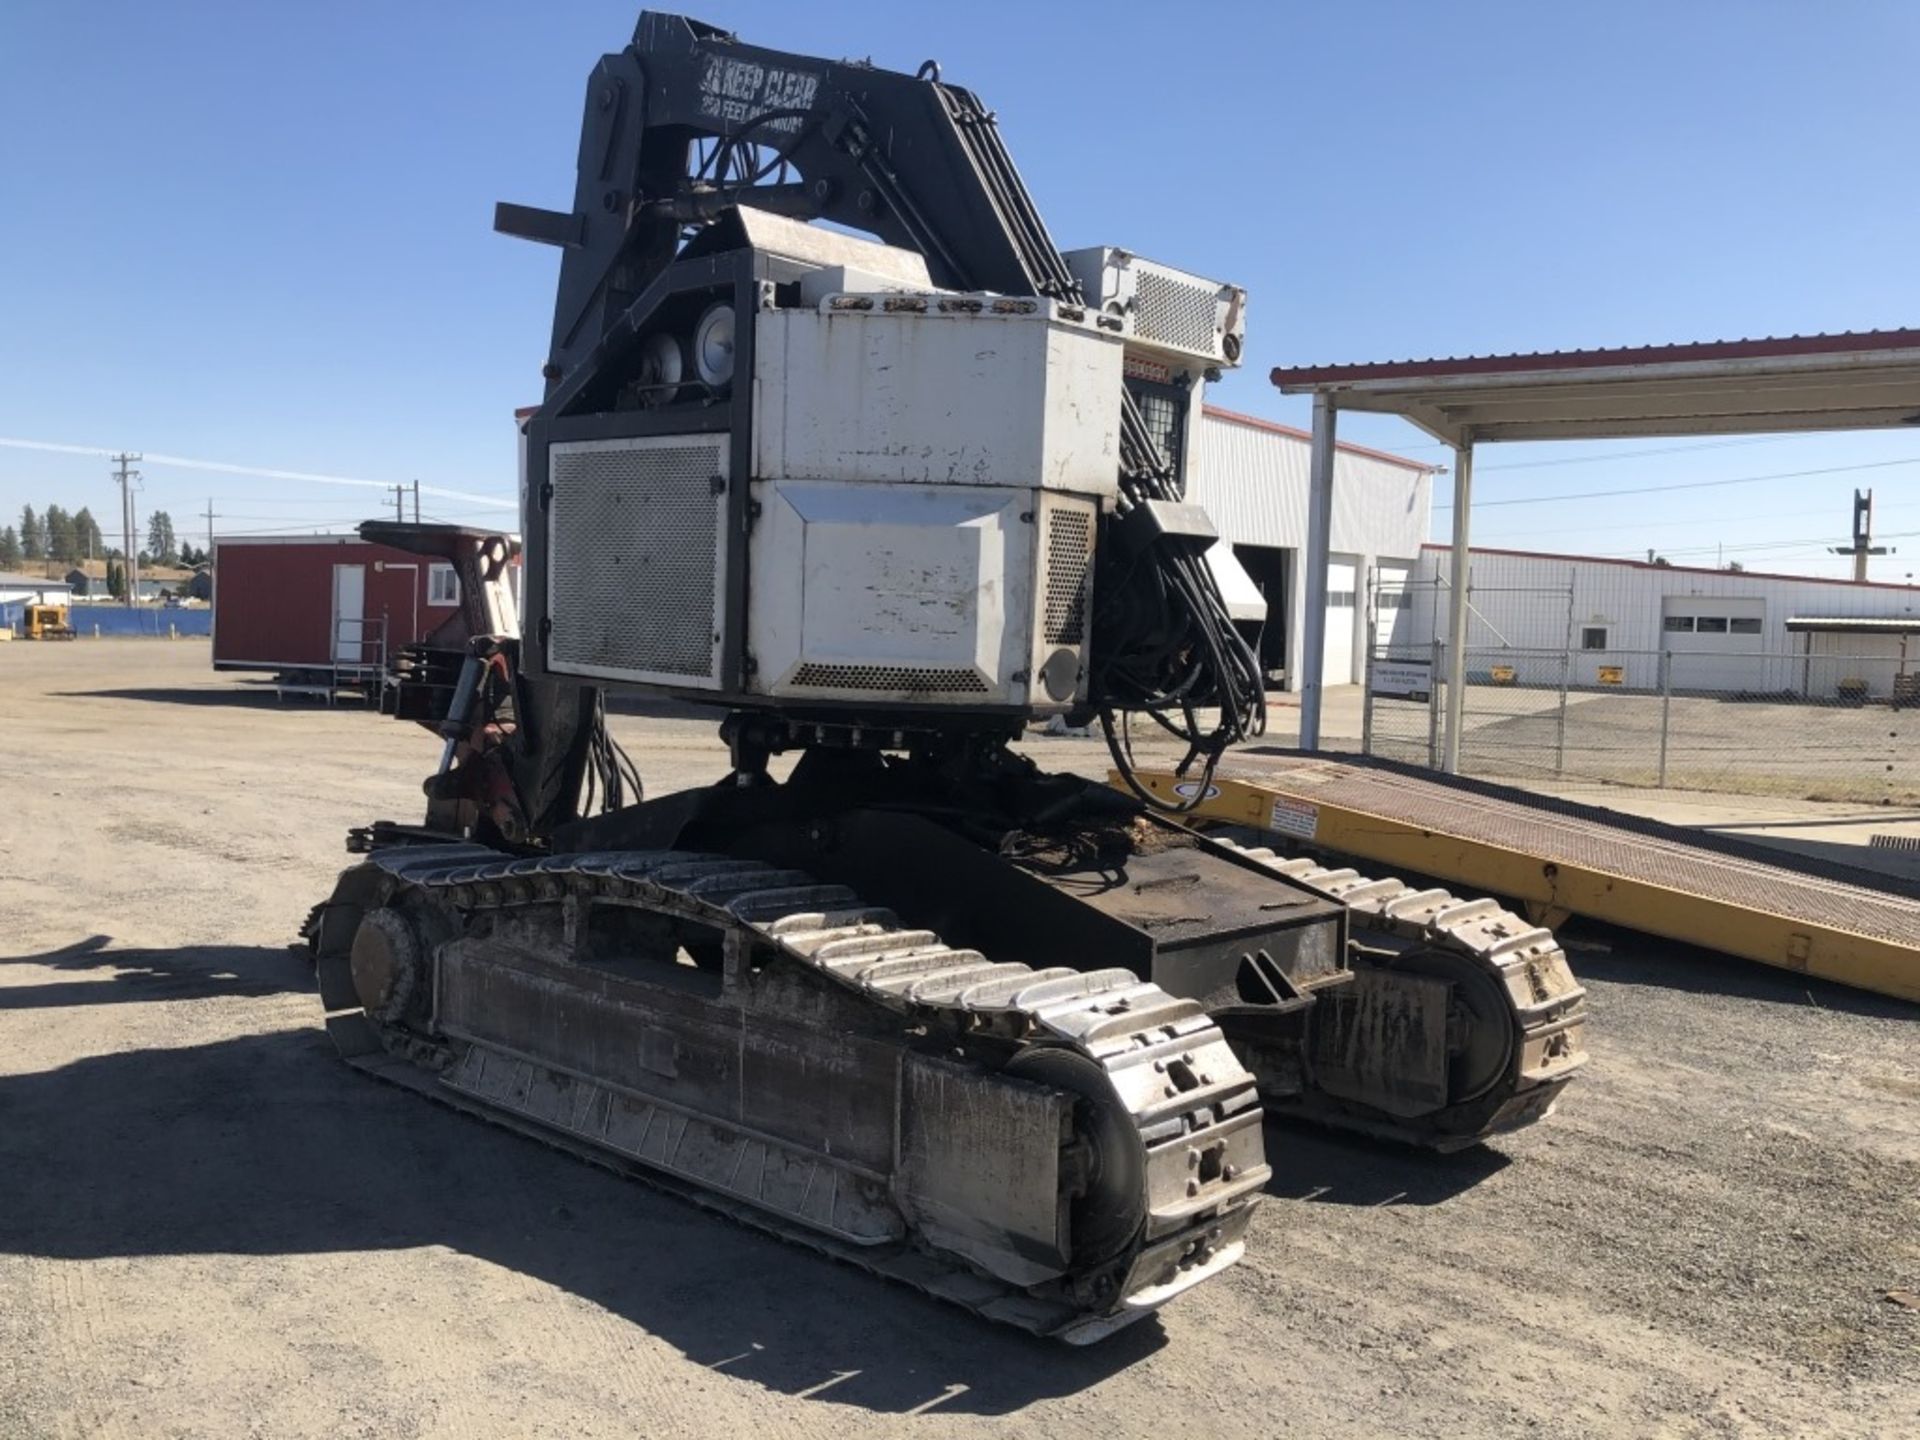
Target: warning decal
[{"x": 1294, "y": 817}]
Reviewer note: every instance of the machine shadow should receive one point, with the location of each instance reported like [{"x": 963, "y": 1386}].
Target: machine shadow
[
  {"x": 240, "y": 697},
  {"x": 268, "y": 1145},
  {"x": 1323, "y": 1167},
  {"x": 196, "y": 973}
]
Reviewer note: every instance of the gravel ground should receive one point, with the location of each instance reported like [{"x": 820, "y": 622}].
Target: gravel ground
[
  {"x": 1799, "y": 750},
  {"x": 208, "y": 1226}
]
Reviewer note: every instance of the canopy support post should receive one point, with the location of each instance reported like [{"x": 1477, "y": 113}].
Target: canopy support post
[
  {"x": 1457, "y": 602},
  {"x": 1313, "y": 629}
]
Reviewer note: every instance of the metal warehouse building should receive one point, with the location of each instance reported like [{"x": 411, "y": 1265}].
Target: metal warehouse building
[
  {"x": 1624, "y": 622},
  {"x": 1251, "y": 475}
]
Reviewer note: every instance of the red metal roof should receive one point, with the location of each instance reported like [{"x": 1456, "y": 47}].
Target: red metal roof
[
  {"x": 1671, "y": 569},
  {"x": 1294, "y": 432},
  {"x": 1780, "y": 347}
]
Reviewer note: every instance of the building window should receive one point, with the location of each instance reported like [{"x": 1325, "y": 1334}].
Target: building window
[
  {"x": 1679, "y": 625},
  {"x": 443, "y": 585},
  {"x": 1339, "y": 599},
  {"x": 1711, "y": 624},
  {"x": 1593, "y": 637},
  {"x": 1745, "y": 626}
]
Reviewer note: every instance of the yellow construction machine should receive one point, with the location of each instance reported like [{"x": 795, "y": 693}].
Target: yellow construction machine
[{"x": 46, "y": 622}]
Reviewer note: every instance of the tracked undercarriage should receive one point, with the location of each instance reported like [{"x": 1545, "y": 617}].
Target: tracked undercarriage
[
  {"x": 1059, "y": 1149},
  {"x": 910, "y": 1085},
  {"x": 1463, "y": 1021}
]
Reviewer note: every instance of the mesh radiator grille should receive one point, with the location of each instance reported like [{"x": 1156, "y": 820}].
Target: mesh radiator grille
[
  {"x": 634, "y": 562},
  {"x": 897, "y": 679},
  {"x": 1069, "y": 562},
  {"x": 1175, "y": 312},
  {"x": 1164, "y": 417}
]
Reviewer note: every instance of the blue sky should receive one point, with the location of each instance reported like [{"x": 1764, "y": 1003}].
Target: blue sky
[{"x": 260, "y": 233}]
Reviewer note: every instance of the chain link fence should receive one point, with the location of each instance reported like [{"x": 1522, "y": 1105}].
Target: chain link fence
[{"x": 1805, "y": 725}]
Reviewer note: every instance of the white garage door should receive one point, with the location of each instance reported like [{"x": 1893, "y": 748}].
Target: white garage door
[
  {"x": 1343, "y": 597},
  {"x": 1392, "y": 613},
  {"x": 1715, "y": 641}
]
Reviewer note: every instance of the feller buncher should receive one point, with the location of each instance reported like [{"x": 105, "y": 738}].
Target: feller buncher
[{"x": 1001, "y": 1034}]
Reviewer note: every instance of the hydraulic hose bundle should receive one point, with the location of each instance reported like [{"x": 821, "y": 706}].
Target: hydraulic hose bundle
[{"x": 1163, "y": 642}]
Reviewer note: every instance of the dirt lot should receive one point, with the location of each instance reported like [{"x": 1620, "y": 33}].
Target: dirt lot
[
  {"x": 1737, "y": 746},
  {"x": 208, "y": 1226}
]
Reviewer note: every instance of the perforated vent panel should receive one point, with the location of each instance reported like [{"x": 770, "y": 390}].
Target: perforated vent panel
[
  {"x": 1069, "y": 561},
  {"x": 1175, "y": 312},
  {"x": 897, "y": 679},
  {"x": 1166, "y": 419},
  {"x": 635, "y": 560}
]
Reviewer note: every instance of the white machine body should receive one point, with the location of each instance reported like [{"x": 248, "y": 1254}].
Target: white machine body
[
  {"x": 929, "y": 470},
  {"x": 928, "y": 474}
]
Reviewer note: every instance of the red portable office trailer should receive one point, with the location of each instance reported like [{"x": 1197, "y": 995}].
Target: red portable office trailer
[{"x": 314, "y": 605}]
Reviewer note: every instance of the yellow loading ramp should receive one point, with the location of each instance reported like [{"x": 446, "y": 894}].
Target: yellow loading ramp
[{"x": 1562, "y": 859}]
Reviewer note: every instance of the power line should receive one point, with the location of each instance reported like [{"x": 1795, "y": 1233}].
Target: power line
[
  {"x": 1814, "y": 546},
  {"x": 1685, "y": 485},
  {"x": 1690, "y": 522}
]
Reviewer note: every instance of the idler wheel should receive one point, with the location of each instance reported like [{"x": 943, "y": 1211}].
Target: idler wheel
[
  {"x": 1485, "y": 1053},
  {"x": 1111, "y": 1205},
  {"x": 385, "y": 962}
]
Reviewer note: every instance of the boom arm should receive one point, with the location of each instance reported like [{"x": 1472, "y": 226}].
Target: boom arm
[{"x": 686, "y": 122}]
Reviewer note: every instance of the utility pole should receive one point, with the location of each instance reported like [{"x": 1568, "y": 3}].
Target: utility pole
[
  {"x": 1863, "y": 545},
  {"x": 416, "y": 502},
  {"x": 129, "y": 565},
  {"x": 210, "y": 519}
]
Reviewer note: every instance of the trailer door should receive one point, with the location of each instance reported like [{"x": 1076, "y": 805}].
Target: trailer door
[{"x": 349, "y": 613}]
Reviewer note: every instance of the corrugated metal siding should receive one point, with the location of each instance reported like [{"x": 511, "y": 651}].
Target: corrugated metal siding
[
  {"x": 1525, "y": 602},
  {"x": 1253, "y": 484}
]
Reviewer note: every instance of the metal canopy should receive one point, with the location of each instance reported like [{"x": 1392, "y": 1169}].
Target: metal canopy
[
  {"x": 1869, "y": 380},
  {"x": 1854, "y": 625},
  {"x": 1857, "y": 381}
]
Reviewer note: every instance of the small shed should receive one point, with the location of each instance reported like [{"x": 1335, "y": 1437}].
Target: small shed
[
  {"x": 19, "y": 591},
  {"x": 15, "y": 588},
  {"x": 322, "y": 604}
]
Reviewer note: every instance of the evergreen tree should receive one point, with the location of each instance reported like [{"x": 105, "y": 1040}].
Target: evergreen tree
[
  {"x": 116, "y": 580},
  {"x": 86, "y": 534},
  {"x": 160, "y": 541},
  {"x": 59, "y": 536},
  {"x": 33, "y": 544},
  {"x": 11, "y": 557}
]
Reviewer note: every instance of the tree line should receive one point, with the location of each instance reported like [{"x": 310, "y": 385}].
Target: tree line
[{"x": 69, "y": 539}]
